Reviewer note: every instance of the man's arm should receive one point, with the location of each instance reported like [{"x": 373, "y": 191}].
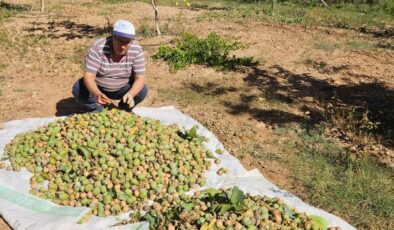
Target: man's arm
[
  {"x": 89, "y": 80},
  {"x": 139, "y": 82},
  {"x": 139, "y": 78}
]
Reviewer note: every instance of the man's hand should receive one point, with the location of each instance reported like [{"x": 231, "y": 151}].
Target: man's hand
[
  {"x": 89, "y": 79},
  {"x": 129, "y": 100},
  {"x": 102, "y": 99}
]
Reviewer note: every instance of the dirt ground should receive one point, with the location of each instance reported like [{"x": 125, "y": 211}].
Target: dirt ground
[
  {"x": 3, "y": 225},
  {"x": 44, "y": 56}
]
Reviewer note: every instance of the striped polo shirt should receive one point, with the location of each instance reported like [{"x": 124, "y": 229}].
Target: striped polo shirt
[{"x": 110, "y": 75}]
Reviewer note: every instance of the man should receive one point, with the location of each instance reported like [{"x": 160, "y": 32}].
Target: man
[{"x": 114, "y": 69}]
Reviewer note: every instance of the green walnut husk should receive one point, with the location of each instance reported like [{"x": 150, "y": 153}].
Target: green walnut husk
[
  {"x": 225, "y": 209},
  {"x": 111, "y": 161}
]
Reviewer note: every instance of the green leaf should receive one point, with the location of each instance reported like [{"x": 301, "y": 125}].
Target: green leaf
[
  {"x": 319, "y": 221},
  {"x": 171, "y": 214},
  {"x": 237, "y": 196},
  {"x": 225, "y": 208},
  {"x": 62, "y": 168},
  {"x": 238, "y": 207},
  {"x": 200, "y": 139},
  {"x": 212, "y": 192},
  {"x": 188, "y": 206},
  {"x": 136, "y": 215},
  {"x": 192, "y": 132},
  {"x": 152, "y": 219},
  {"x": 215, "y": 207},
  {"x": 85, "y": 152},
  {"x": 219, "y": 151},
  {"x": 51, "y": 141},
  {"x": 69, "y": 169},
  {"x": 100, "y": 209},
  {"x": 122, "y": 196},
  {"x": 288, "y": 211},
  {"x": 55, "y": 131},
  {"x": 210, "y": 155},
  {"x": 65, "y": 168},
  {"x": 4, "y": 158}
]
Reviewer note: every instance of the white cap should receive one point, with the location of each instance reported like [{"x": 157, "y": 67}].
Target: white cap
[{"x": 123, "y": 28}]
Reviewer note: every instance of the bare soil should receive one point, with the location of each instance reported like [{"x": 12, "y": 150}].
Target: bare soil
[
  {"x": 43, "y": 56},
  {"x": 3, "y": 224}
]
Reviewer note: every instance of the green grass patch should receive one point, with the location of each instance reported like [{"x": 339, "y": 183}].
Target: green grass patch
[
  {"x": 266, "y": 101},
  {"x": 24, "y": 43},
  {"x": 190, "y": 4},
  {"x": 212, "y": 51},
  {"x": 284, "y": 13},
  {"x": 275, "y": 99},
  {"x": 57, "y": 7},
  {"x": 257, "y": 150},
  {"x": 357, "y": 189},
  {"x": 5, "y": 13},
  {"x": 326, "y": 45},
  {"x": 79, "y": 54},
  {"x": 352, "y": 44},
  {"x": 3, "y": 66},
  {"x": 359, "y": 45},
  {"x": 7, "y": 9},
  {"x": 201, "y": 92},
  {"x": 4, "y": 40},
  {"x": 350, "y": 16},
  {"x": 343, "y": 15},
  {"x": 19, "y": 90},
  {"x": 116, "y": 1},
  {"x": 145, "y": 29}
]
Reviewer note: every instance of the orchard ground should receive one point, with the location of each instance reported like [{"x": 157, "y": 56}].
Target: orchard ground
[{"x": 285, "y": 116}]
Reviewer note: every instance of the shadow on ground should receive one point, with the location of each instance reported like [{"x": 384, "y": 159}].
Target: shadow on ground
[
  {"x": 14, "y": 7},
  {"x": 378, "y": 32},
  {"x": 69, "y": 30},
  {"x": 69, "y": 106},
  {"x": 315, "y": 97},
  {"x": 375, "y": 97},
  {"x": 198, "y": 7}
]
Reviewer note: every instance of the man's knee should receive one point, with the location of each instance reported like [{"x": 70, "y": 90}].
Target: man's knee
[
  {"x": 79, "y": 90},
  {"x": 141, "y": 95},
  {"x": 75, "y": 89}
]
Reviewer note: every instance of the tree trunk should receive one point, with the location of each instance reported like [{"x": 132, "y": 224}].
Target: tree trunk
[
  {"x": 158, "y": 33},
  {"x": 273, "y": 4},
  {"x": 42, "y": 6},
  {"x": 326, "y": 5}
]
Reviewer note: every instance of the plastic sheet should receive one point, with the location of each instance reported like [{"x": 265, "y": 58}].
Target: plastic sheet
[{"x": 24, "y": 211}]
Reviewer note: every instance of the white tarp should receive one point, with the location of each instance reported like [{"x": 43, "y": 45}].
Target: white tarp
[{"x": 23, "y": 211}]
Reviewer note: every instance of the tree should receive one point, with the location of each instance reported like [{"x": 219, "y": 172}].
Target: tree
[
  {"x": 42, "y": 6},
  {"x": 273, "y": 7},
  {"x": 158, "y": 33},
  {"x": 326, "y": 5}
]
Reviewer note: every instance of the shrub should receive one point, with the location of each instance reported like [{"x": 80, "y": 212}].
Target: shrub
[{"x": 213, "y": 51}]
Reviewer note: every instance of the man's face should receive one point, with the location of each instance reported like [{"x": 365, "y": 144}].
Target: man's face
[{"x": 120, "y": 44}]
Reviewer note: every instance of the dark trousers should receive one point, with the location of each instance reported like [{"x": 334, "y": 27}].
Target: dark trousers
[{"x": 82, "y": 95}]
